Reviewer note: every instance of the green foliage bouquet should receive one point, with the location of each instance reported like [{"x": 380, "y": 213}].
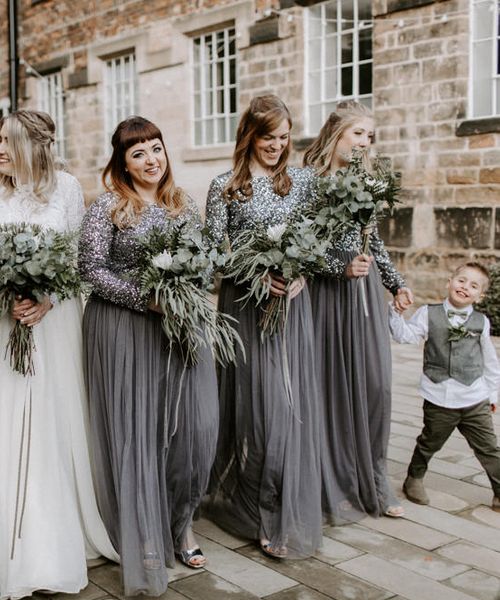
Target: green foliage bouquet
[
  {"x": 177, "y": 272},
  {"x": 34, "y": 263},
  {"x": 355, "y": 196},
  {"x": 287, "y": 250}
]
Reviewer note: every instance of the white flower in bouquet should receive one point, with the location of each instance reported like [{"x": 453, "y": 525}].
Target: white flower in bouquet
[
  {"x": 177, "y": 273},
  {"x": 275, "y": 232},
  {"x": 163, "y": 261}
]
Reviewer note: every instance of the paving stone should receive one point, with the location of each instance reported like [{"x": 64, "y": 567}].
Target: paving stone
[
  {"x": 247, "y": 574},
  {"x": 473, "y": 494},
  {"x": 477, "y": 584},
  {"x": 472, "y": 555},
  {"x": 408, "y": 531},
  {"x": 396, "y": 551},
  {"x": 108, "y": 578},
  {"x": 333, "y": 551},
  {"x": 298, "y": 593},
  {"x": 399, "y": 580},
  {"x": 437, "y": 499},
  {"x": 216, "y": 534},
  {"x": 323, "y": 578},
  {"x": 211, "y": 587},
  {"x": 395, "y": 468},
  {"x": 453, "y": 525},
  {"x": 486, "y": 515},
  {"x": 481, "y": 479},
  {"x": 91, "y": 592},
  {"x": 449, "y": 469},
  {"x": 92, "y": 563}
]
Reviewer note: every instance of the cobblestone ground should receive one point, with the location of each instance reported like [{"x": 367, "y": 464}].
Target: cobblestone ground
[{"x": 449, "y": 550}]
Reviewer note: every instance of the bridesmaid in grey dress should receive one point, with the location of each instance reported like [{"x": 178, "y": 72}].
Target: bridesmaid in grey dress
[
  {"x": 353, "y": 351},
  {"x": 152, "y": 449},
  {"x": 265, "y": 481}
]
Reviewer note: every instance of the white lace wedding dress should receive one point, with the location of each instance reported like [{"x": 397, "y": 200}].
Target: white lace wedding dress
[{"x": 49, "y": 521}]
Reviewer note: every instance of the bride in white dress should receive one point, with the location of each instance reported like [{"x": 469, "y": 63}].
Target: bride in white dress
[{"x": 49, "y": 521}]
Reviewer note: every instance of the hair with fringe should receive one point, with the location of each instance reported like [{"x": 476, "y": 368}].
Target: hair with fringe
[
  {"x": 321, "y": 152},
  {"x": 264, "y": 115},
  {"x": 116, "y": 179},
  {"x": 472, "y": 264},
  {"x": 30, "y": 135}
]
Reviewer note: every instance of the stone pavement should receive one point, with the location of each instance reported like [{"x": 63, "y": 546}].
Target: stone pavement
[{"x": 449, "y": 550}]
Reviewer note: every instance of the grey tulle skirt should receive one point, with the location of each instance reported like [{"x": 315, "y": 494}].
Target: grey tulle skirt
[
  {"x": 353, "y": 360},
  {"x": 152, "y": 447},
  {"x": 266, "y": 480}
]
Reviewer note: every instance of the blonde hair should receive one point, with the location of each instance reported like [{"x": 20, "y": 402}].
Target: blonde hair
[
  {"x": 264, "y": 114},
  {"x": 30, "y": 135},
  {"x": 116, "y": 179},
  {"x": 321, "y": 152}
]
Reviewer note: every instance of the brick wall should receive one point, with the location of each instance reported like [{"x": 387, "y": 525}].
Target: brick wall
[{"x": 452, "y": 182}]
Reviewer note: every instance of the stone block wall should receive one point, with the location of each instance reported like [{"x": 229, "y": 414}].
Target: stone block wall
[{"x": 451, "y": 175}]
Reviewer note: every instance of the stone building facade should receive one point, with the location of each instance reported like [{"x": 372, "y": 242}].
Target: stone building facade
[{"x": 414, "y": 61}]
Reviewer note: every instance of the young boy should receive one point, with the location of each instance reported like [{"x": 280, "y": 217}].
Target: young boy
[{"x": 460, "y": 379}]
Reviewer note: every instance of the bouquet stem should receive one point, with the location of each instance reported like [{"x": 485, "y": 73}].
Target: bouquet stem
[
  {"x": 21, "y": 346},
  {"x": 365, "y": 249}
]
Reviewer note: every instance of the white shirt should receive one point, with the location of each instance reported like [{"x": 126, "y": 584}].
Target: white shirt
[{"x": 450, "y": 393}]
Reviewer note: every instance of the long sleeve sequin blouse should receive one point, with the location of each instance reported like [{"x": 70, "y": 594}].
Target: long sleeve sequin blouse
[
  {"x": 350, "y": 241},
  {"x": 110, "y": 258},
  {"x": 263, "y": 209}
]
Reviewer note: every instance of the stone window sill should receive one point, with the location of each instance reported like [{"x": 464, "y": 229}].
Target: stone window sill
[
  {"x": 478, "y": 126},
  {"x": 205, "y": 153}
]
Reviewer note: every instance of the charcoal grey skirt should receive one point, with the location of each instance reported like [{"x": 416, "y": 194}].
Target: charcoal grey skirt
[{"x": 153, "y": 437}]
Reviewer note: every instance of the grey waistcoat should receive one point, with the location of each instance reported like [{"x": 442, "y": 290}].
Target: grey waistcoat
[{"x": 461, "y": 360}]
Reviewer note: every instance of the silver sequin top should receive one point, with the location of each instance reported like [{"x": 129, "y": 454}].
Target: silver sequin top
[
  {"x": 263, "y": 209},
  {"x": 350, "y": 241},
  {"x": 110, "y": 258}
]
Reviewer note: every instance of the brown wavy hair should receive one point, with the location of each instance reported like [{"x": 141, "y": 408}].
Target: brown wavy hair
[
  {"x": 30, "y": 135},
  {"x": 117, "y": 180},
  {"x": 321, "y": 152},
  {"x": 264, "y": 115}
]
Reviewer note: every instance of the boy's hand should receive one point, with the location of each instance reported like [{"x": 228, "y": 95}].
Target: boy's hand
[
  {"x": 403, "y": 299},
  {"x": 493, "y": 407}
]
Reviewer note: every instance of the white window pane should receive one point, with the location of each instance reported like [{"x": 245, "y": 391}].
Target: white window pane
[
  {"x": 315, "y": 54},
  {"x": 351, "y": 20},
  {"x": 315, "y": 86},
  {"x": 483, "y": 20},
  {"x": 209, "y": 128},
  {"x": 498, "y": 96},
  {"x": 215, "y": 87},
  {"x": 315, "y": 118},
  {"x": 197, "y": 133},
  {"x": 330, "y": 84},
  {"x": 331, "y": 51}
]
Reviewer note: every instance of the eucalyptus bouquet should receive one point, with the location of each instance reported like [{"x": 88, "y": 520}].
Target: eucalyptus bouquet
[
  {"x": 355, "y": 196},
  {"x": 177, "y": 272},
  {"x": 287, "y": 250},
  {"x": 34, "y": 263}
]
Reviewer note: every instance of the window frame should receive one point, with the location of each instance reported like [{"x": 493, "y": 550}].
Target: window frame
[
  {"x": 353, "y": 29},
  {"x": 51, "y": 97},
  {"x": 199, "y": 88},
  {"x": 494, "y": 79},
  {"x": 115, "y": 113}
]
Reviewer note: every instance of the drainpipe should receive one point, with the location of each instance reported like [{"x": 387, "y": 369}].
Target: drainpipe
[{"x": 13, "y": 56}]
